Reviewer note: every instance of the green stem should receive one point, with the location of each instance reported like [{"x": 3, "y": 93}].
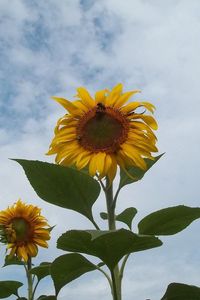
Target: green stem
[
  {"x": 115, "y": 291},
  {"x": 34, "y": 290},
  {"x": 121, "y": 273},
  {"x": 111, "y": 203},
  {"x": 29, "y": 279}
]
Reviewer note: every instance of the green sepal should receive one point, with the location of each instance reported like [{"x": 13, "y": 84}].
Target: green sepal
[
  {"x": 68, "y": 267},
  {"x": 62, "y": 186},
  {"x": 43, "y": 270},
  {"x": 12, "y": 260},
  {"x": 168, "y": 221},
  {"x": 8, "y": 288},
  {"x": 135, "y": 172},
  {"x": 109, "y": 246},
  {"x": 181, "y": 291}
]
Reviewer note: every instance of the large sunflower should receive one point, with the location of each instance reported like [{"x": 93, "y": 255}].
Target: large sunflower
[
  {"x": 23, "y": 229},
  {"x": 103, "y": 132}
]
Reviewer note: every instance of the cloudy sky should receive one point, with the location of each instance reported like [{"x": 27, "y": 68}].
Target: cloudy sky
[{"x": 50, "y": 48}]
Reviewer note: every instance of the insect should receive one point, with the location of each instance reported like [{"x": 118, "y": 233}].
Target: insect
[
  {"x": 100, "y": 110},
  {"x": 100, "y": 107}
]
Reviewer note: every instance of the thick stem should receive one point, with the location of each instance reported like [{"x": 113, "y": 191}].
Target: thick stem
[
  {"x": 116, "y": 280},
  {"x": 110, "y": 206},
  {"x": 29, "y": 279}
]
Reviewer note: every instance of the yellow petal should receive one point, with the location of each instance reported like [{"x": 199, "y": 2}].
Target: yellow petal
[
  {"x": 114, "y": 95},
  {"x": 93, "y": 165},
  {"x": 85, "y": 96},
  {"x": 130, "y": 107},
  {"x": 66, "y": 121},
  {"x": 113, "y": 169},
  {"x": 129, "y": 151},
  {"x": 32, "y": 249},
  {"x": 69, "y": 106},
  {"x": 107, "y": 164},
  {"x": 81, "y": 106},
  {"x": 124, "y": 98},
  {"x": 22, "y": 252},
  {"x": 100, "y": 161},
  {"x": 147, "y": 119},
  {"x": 41, "y": 242},
  {"x": 100, "y": 96},
  {"x": 82, "y": 160},
  {"x": 142, "y": 126},
  {"x": 148, "y": 106}
]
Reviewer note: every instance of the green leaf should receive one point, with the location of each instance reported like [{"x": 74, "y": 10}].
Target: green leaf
[
  {"x": 42, "y": 270},
  {"x": 68, "y": 267},
  {"x": 104, "y": 215},
  {"x": 180, "y": 291},
  {"x": 135, "y": 172},
  {"x": 14, "y": 260},
  {"x": 8, "y": 288},
  {"x": 127, "y": 216},
  {"x": 109, "y": 246},
  {"x": 62, "y": 186},
  {"x": 169, "y": 220}
]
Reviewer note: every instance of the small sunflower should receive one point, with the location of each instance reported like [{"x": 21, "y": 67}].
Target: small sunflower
[
  {"x": 104, "y": 132},
  {"x": 23, "y": 229}
]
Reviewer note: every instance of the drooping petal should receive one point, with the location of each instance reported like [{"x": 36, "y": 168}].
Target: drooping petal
[
  {"x": 113, "y": 169},
  {"x": 149, "y": 106},
  {"x": 93, "y": 165},
  {"x": 100, "y": 162},
  {"x": 147, "y": 119},
  {"x": 130, "y": 107},
  {"x": 83, "y": 160}
]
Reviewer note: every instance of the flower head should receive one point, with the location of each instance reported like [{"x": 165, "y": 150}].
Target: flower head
[
  {"x": 103, "y": 132},
  {"x": 23, "y": 229}
]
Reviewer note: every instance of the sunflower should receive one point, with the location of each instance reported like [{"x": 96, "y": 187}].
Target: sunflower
[
  {"x": 23, "y": 229},
  {"x": 104, "y": 132}
]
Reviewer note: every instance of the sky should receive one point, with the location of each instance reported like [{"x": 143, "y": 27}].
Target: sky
[{"x": 51, "y": 48}]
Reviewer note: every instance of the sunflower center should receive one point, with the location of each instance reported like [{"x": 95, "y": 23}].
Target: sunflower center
[
  {"x": 102, "y": 129},
  {"x": 21, "y": 228}
]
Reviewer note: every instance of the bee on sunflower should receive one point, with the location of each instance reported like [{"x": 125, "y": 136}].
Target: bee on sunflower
[{"x": 104, "y": 132}]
